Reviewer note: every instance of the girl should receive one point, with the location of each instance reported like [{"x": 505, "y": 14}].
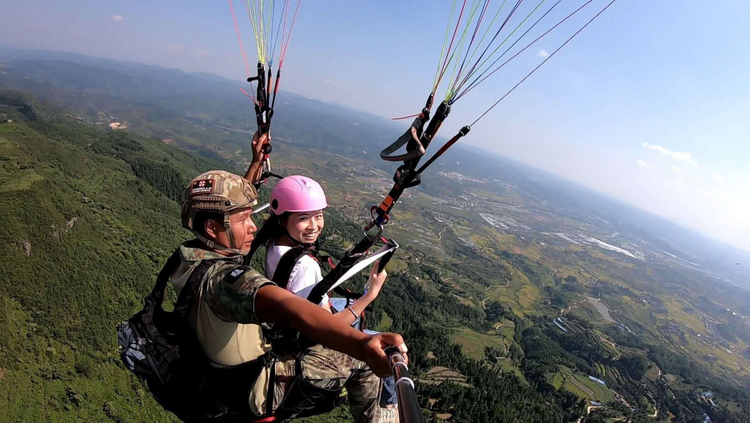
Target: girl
[{"x": 297, "y": 205}]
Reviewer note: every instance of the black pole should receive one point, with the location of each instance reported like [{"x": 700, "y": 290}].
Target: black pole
[{"x": 408, "y": 406}]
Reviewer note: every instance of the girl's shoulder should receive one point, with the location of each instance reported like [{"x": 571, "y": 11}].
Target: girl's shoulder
[{"x": 307, "y": 263}]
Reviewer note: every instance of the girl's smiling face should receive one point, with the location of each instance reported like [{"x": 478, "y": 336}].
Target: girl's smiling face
[{"x": 305, "y": 227}]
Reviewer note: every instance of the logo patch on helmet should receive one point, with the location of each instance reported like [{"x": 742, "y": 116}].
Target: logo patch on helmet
[{"x": 203, "y": 186}]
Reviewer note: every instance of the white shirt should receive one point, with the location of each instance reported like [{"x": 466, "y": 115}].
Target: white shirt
[{"x": 305, "y": 274}]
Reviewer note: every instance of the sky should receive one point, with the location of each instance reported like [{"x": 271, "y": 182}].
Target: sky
[{"x": 649, "y": 104}]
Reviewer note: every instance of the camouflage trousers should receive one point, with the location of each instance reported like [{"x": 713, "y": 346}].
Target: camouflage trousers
[{"x": 327, "y": 369}]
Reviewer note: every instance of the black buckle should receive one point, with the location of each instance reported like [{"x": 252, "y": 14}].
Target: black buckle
[{"x": 406, "y": 178}]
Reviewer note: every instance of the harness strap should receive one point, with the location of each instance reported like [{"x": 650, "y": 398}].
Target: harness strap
[
  {"x": 349, "y": 266},
  {"x": 156, "y": 297},
  {"x": 185, "y": 301},
  {"x": 411, "y": 136},
  {"x": 271, "y": 389},
  {"x": 286, "y": 265}
]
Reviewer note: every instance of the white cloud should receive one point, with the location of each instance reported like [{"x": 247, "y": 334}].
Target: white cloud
[
  {"x": 682, "y": 156},
  {"x": 543, "y": 53},
  {"x": 719, "y": 178},
  {"x": 644, "y": 164},
  {"x": 676, "y": 169},
  {"x": 118, "y": 18}
]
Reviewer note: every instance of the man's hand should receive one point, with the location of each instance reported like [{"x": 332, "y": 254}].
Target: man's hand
[
  {"x": 258, "y": 142},
  {"x": 277, "y": 305},
  {"x": 255, "y": 171},
  {"x": 374, "y": 352}
]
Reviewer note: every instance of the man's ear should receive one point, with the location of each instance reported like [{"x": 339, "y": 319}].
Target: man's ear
[{"x": 211, "y": 228}]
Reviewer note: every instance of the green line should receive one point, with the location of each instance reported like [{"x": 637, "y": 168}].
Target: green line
[
  {"x": 506, "y": 38},
  {"x": 251, "y": 14},
  {"x": 445, "y": 42},
  {"x": 486, "y": 32},
  {"x": 460, "y": 48}
]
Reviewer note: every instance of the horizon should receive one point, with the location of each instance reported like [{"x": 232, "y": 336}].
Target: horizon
[
  {"x": 674, "y": 125},
  {"x": 484, "y": 149}
]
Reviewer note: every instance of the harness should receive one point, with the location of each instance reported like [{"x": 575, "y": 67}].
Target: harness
[{"x": 161, "y": 350}]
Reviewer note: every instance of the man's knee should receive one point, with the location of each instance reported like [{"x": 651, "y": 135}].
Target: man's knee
[{"x": 327, "y": 368}]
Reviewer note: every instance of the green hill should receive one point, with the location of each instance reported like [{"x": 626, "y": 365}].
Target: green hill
[
  {"x": 90, "y": 216},
  {"x": 88, "y": 221},
  {"x": 487, "y": 259}
]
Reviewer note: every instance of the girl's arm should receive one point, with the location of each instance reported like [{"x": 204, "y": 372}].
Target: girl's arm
[
  {"x": 305, "y": 277},
  {"x": 375, "y": 282}
]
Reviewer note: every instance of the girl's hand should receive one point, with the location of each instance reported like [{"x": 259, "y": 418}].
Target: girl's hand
[{"x": 376, "y": 280}]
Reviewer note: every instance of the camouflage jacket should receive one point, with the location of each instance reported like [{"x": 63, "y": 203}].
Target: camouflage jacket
[{"x": 223, "y": 317}]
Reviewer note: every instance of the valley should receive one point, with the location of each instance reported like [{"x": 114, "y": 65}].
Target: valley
[{"x": 509, "y": 278}]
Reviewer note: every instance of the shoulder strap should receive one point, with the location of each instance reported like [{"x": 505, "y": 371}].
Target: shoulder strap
[
  {"x": 286, "y": 265},
  {"x": 156, "y": 297},
  {"x": 185, "y": 300}
]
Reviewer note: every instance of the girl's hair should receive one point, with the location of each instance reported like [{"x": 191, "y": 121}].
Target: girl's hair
[{"x": 273, "y": 228}]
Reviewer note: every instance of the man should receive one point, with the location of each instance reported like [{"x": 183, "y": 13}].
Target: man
[{"x": 235, "y": 303}]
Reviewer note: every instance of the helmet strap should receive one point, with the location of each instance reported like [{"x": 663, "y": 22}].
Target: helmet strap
[
  {"x": 214, "y": 246},
  {"x": 230, "y": 237},
  {"x": 228, "y": 227}
]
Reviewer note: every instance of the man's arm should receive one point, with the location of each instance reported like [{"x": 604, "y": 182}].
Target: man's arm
[
  {"x": 255, "y": 170},
  {"x": 240, "y": 294},
  {"x": 274, "y": 304}
]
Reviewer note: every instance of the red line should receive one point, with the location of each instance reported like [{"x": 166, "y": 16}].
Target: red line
[
  {"x": 406, "y": 117},
  {"x": 239, "y": 38},
  {"x": 248, "y": 95},
  {"x": 291, "y": 29}
]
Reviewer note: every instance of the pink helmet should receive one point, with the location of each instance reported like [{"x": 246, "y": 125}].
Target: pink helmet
[{"x": 297, "y": 194}]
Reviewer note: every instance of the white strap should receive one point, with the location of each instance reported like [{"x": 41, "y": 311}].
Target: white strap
[
  {"x": 400, "y": 363},
  {"x": 405, "y": 380},
  {"x": 261, "y": 208},
  {"x": 363, "y": 264}
]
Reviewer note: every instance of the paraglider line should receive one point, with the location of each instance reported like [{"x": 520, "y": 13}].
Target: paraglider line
[
  {"x": 239, "y": 38},
  {"x": 473, "y": 36},
  {"x": 510, "y": 15},
  {"x": 442, "y": 49},
  {"x": 476, "y": 68},
  {"x": 282, "y": 56},
  {"x": 479, "y": 78},
  {"x": 450, "y": 46},
  {"x": 543, "y": 62},
  {"x": 248, "y": 95},
  {"x": 462, "y": 41}
]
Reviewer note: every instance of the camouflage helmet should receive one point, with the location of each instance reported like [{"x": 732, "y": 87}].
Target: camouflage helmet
[{"x": 216, "y": 191}]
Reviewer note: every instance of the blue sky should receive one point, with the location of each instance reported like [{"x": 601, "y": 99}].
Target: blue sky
[{"x": 650, "y": 104}]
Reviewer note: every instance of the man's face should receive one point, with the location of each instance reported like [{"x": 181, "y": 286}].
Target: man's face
[{"x": 243, "y": 230}]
